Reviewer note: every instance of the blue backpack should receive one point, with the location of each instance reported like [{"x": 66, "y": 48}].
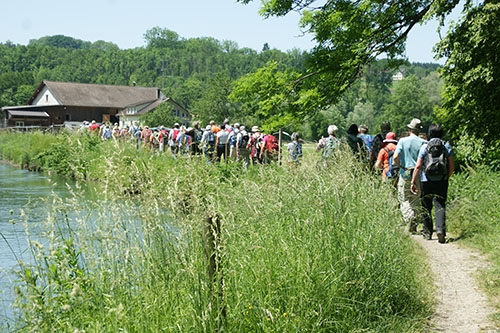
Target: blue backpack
[{"x": 393, "y": 171}]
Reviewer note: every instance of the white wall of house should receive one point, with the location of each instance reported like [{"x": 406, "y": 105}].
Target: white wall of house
[
  {"x": 128, "y": 120},
  {"x": 45, "y": 97}
]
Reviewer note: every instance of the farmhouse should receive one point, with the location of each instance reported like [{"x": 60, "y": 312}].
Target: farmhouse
[{"x": 70, "y": 104}]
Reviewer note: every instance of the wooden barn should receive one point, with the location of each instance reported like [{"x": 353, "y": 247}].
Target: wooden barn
[{"x": 60, "y": 103}]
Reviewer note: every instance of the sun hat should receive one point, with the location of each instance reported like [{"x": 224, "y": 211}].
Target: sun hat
[
  {"x": 332, "y": 129},
  {"x": 390, "y": 137},
  {"x": 415, "y": 124},
  {"x": 255, "y": 129}
]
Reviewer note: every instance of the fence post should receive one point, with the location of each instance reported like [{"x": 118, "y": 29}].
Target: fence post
[{"x": 212, "y": 239}]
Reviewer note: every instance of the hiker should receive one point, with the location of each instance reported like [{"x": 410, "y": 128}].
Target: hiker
[
  {"x": 356, "y": 144},
  {"x": 162, "y": 137},
  {"x": 233, "y": 137},
  {"x": 328, "y": 145},
  {"x": 270, "y": 149},
  {"x": 94, "y": 127},
  {"x": 182, "y": 141},
  {"x": 172, "y": 139},
  {"x": 405, "y": 156},
  {"x": 146, "y": 136},
  {"x": 435, "y": 165},
  {"x": 242, "y": 152},
  {"x": 294, "y": 149},
  {"x": 255, "y": 145},
  {"x": 367, "y": 138},
  {"x": 208, "y": 143},
  {"x": 155, "y": 139},
  {"x": 385, "y": 159},
  {"x": 221, "y": 140},
  {"x": 115, "y": 133},
  {"x": 377, "y": 142},
  {"x": 106, "y": 133},
  {"x": 196, "y": 142}
]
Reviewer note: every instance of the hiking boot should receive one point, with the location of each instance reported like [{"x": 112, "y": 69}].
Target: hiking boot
[
  {"x": 427, "y": 235},
  {"x": 441, "y": 238}
]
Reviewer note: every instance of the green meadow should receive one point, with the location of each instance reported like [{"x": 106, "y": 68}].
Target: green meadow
[{"x": 212, "y": 247}]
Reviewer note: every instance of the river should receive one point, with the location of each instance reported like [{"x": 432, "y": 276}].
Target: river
[{"x": 20, "y": 191}]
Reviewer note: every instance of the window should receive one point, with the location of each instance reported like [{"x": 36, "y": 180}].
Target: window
[
  {"x": 47, "y": 98},
  {"x": 19, "y": 123}
]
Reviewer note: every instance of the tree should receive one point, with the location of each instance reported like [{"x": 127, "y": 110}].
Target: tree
[
  {"x": 162, "y": 115},
  {"x": 350, "y": 35},
  {"x": 214, "y": 103},
  {"x": 159, "y": 38},
  {"x": 472, "y": 89},
  {"x": 363, "y": 114},
  {"x": 408, "y": 101},
  {"x": 270, "y": 95}
]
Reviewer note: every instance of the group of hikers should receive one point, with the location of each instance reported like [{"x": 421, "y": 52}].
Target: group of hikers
[
  {"x": 417, "y": 165},
  {"x": 216, "y": 142}
]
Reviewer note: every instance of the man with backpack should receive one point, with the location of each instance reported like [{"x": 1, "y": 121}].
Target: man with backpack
[
  {"x": 270, "y": 151},
  {"x": 435, "y": 165},
  {"x": 172, "y": 139},
  {"x": 406, "y": 155},
  {"x": 233, "y": 137},
  {"x": 356, "y": 144},
  {"x": 208, "y": 143},
  {"x": 367, "y": 138},
  {"x": 294, "y": 149},
  {"x": 242, "y": 152},
  {"x": 329, "y": 146}
]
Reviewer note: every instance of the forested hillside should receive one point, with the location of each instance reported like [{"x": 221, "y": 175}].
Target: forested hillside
[{"x": 200, "y": 73}]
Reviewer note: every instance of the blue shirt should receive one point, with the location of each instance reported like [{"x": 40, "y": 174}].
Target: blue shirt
[
  {"x": 424, "y": 156},
  {"x": 407, "y": 150}
]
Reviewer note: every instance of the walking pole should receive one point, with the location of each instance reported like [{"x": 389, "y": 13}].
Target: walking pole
[{"x": 279, "y": 145}]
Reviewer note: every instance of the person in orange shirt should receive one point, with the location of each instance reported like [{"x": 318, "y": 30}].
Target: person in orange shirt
[{"x": 384, "y": 157}]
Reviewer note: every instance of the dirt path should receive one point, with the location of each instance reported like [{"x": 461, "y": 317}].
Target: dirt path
[{"x": 461, "y": 307}]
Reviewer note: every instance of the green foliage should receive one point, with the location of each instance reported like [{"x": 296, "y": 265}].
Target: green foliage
[
  {"x": 472, "y": 91},
  {"x": 161, "y": 116},
  {"x": 472, "y": 152},
  {"x": 200, "y": 74},
  {"x": 473, "y": 212},
  {"x": 291, "y": 255},
  {"x": 23, "y": 149},
  {"x": 408, "y": 101},
  {"x": 269, "y": 95},
  {"x": 60, "y": 41}
]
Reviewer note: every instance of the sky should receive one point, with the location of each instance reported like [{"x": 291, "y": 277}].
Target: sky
[{"x": 124, "y": 23}]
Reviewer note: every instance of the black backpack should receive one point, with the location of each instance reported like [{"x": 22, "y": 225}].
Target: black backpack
[
  {"x": 437, "y": 160},
  {"x": 244, "y": 140}
]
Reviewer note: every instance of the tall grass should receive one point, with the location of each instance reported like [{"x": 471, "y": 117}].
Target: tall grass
[
  {"x": 474, "y": 218},
  {"x": 298, "y": 249}
]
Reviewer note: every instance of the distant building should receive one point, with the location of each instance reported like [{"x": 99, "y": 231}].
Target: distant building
[
  {"x": 64, "y": 103},
  {"x": 398, "y": 76}
]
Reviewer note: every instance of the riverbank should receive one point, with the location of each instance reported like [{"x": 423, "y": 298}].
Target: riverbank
[{"x": 296, "y": 248}]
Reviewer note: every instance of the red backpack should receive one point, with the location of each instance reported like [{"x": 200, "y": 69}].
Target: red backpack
[{"x": 271, "y": 143}]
